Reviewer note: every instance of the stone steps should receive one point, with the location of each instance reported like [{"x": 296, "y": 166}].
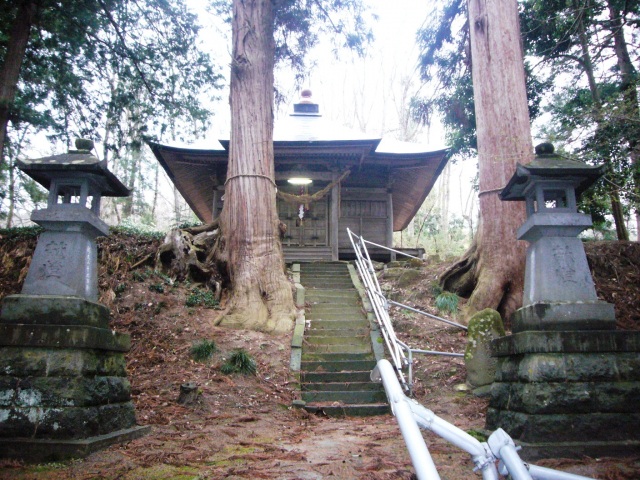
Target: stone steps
[
  {"x": 341, "y": 386},
  {"x": 329, "y": 357},
  {"x": 341, "y": 410},
  {"x": 331, "y": 377},
  {"x": 348, "y": 397},
  {"x": 337, "y": 355}
]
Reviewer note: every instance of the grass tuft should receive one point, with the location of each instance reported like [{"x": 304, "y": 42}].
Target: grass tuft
[
  {"x": 447, "y": 302},
  {"x": 201, "y": 298},
  {"x": 203, "y": 350},
  {"x": 240, "y": 361}
]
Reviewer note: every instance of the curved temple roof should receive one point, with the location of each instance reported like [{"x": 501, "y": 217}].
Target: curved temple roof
[{"x": 305, "y": 140}]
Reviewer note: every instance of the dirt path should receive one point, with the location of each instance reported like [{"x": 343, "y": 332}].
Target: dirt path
[{"x": 243, "y": 427}]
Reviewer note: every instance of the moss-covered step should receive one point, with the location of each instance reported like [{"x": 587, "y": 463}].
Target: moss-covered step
[
  {"x": 345, "y": 396},
  {"x": 338, "y": 366},
  {"x": 332, "y": 377}
]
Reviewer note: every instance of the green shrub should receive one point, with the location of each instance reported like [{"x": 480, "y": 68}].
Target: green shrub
[
  {"x": 201, "y": 298},
  {"x": 140, "y": 276},
  {"x": 203, "y": 350},
  {"x": 447, "y": 302},
  {"x": 159, "y": 307},
  {"x": 478, "y": 435},
  {"x": 190, "y": 224},
  {"x": 20, "y": 233},
  {"x": 157, "y": 287},
  {"x": 130, "y": 227},
  {"x": 240, "y": 361},
  {"x": 436, "y": 289}
]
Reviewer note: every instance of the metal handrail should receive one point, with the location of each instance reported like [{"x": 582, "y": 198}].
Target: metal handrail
[
  {"x": 401, "y": 354},
  {"x": 379, "y": 304},
  {"x": 498, "y": 449}
]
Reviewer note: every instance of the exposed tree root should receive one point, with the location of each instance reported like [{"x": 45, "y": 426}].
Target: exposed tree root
[
  {"x": 461, "y": 278},
  {"x": 190, "y": 253},
  {"x": 490, "y": 274}
]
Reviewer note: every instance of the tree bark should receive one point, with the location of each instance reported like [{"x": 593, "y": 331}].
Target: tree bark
[
  {"x": 10, "y": 71},
  {"x": 261, "y": 294},
  {"x": 629, "y": 89},
  {"x": 493, "y": 269},
  {"x": 587, "y": 65}
]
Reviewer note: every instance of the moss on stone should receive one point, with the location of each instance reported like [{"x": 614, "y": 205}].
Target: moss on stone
[{"x": 484, "y": 326}]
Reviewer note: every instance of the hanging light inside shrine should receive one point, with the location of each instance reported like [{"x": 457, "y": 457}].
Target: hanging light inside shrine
[{"x": 300, "y": 181}]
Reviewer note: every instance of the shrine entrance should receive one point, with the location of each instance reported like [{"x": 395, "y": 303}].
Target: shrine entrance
[{"x": 307, "y": 224}]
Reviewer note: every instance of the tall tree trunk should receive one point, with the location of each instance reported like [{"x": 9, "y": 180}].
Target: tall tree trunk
[
  {"x": 12, "y": 193},
  {"x": 492, "y": 271},
  {"x": 261, "y": 294},
  {"x": 629, "y": 89},
  {"x": 587, "y": 65},
  {"x": 177, "y": 206},
  {"x": 132, "y": 183},
  {"x": 156, "y": 188},
  {"x": 10, "y": 71}
]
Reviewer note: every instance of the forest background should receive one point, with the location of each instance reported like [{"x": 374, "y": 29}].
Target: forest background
[{"x": 159, "y": 70}]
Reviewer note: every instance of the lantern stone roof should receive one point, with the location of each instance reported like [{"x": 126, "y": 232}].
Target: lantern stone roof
[
  {"x": 75, "y": 163},
  {"x": 550, "y": 166}
]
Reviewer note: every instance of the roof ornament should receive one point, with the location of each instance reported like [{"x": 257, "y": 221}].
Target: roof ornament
[{"x": 306, "y": 106}]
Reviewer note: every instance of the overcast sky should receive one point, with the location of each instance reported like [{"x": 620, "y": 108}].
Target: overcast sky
[{"x": 363, "y": 93}]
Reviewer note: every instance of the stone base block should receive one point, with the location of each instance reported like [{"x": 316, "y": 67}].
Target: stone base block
[
  {"x": 567, "y": 393},
  {"x": 65, "y": 423},
  {"x": 565, "y": 316},
  {"x": 60, "y": 362},
  {"x": 63, "y": 336},
  {"x": 532, "y": 452},
  {"x": 566, "y": 342},
  {"x": 53, "y": 310},
  {"x": 45, "y": 450},
  {"x": 58, "y": 392},
  {"x": 63, "y": 383},
  {"x": 566, "y": 427},
  {"x": 570, "y": 367},
  {"x": 567, "y": 397}
]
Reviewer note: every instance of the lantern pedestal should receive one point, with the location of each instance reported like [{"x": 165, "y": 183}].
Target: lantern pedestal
[
  {"x": 63, "y": 386},
  {"x": 568, "y": 394}
]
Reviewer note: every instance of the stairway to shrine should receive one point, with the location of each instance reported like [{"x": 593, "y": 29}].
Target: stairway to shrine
[{"x": 337, "y": 354}]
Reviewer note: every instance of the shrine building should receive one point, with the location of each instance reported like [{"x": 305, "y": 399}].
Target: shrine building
[{"x": 372, "y": 186}]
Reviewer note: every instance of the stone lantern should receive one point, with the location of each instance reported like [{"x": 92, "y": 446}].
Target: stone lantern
[
  {"x": 559, "y": 293},
  {"x": 567, "y": 383},
  {"x": 63, "y": 385},
  {"x": 65, "y": 260}
]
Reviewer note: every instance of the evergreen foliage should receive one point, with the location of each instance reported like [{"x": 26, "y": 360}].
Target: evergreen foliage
[
  {"x": 579, "y": 61},
  {"x": 299, "y": 25},
  {"x": 117, "y": 71}
]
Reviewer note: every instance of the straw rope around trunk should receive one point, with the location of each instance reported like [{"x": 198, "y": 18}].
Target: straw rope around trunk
[{"x": 306, "y": 198}]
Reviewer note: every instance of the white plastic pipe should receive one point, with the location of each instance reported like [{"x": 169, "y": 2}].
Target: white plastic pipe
[
  {"x": 503, "y": 448},
  {"x": 418, "y": 451},
  {"x": 480, "y": 455}
]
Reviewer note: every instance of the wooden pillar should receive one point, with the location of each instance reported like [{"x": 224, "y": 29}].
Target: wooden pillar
[
  {"x": 214, "y": 205},
  {"x": 335, "y": 218},
  {"x": 390, "y": 223}
]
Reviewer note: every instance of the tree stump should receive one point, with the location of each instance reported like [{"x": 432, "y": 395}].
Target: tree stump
[{"x": 189, "y": 394}]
